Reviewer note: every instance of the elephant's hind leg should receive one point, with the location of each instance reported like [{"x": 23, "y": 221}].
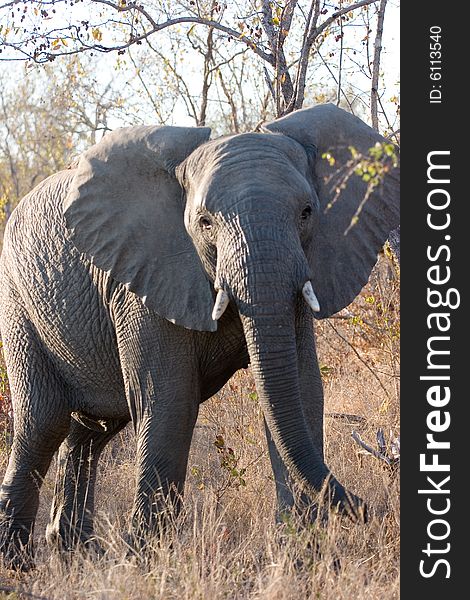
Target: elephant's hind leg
[
  {"x": 41, "y": 423},
  {"x": 72, "y": 508}
]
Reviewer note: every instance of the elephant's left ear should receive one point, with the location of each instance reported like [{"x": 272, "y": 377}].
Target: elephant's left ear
[
  {"x": 125, "y": 212},
  {"x": 356, "y": 216}
]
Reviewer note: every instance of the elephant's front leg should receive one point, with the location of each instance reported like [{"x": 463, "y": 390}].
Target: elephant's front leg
[
  {"x": 163, "y": 441},
  {"x": 163, "y": 390}
]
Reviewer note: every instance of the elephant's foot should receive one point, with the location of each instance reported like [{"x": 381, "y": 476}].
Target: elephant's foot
[
  {"x": 293, "y": 527},
  {"x": 16, "y": 547},
  {"x": 305, "y": 511},
  {"x": 134, "y": 545},
  {"x": 142, "y": 541},
  {"x": 139, "y": 547},
  {"x": 67, "y": 542},
  {"x": 140, "y": 544}
]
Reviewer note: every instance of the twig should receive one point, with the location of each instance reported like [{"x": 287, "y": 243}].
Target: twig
[
  {"x": 340, "y": 66},
  {"x": 393, "y": 461},
  {"x": 360, "y": 358},
  {"x": 343, "y": 93},
  {"x": 41, "y": 56},
  {"x": 347, "y": 417},
  {"x": 357, "y": 438},
  {"x": 374, "y": 97}
]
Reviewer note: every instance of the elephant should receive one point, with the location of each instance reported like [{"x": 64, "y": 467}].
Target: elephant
[{"x": 138, "y": 281}]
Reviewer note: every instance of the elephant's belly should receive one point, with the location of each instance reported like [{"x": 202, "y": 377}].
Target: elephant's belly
[
  {"x": 84, "y": 350},
  {"x": 85, "y": 354}
]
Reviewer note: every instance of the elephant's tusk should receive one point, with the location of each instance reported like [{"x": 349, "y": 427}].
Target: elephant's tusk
[
  {"x": 310, "y": 298},
  {"x": 221, "y": 303}
]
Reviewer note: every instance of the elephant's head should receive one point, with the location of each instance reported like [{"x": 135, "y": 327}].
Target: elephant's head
[{"x": 253, "y": 219}]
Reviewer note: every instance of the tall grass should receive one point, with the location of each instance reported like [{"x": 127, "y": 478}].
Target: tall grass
[{"x": 225, "y": 543}]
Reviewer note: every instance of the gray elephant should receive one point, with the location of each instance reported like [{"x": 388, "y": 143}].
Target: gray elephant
[{"x": 136, "y": 283}]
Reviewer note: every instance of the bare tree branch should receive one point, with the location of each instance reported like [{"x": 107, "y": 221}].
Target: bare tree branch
[
  {"x": 333, "y": 77},
  {"x": 233, "y": 108},
  {"x": 374, "y": 95},
  {"x": 340, "y": 67},
  {"x": 313, "y": 33},
  {"x": 282, "y": 78},
  {"x": 391, "y": 461},
  {"x": 207, "y": 76},
  {"x": 46, "y": 55},
  {"x": 374, "y": 374}
]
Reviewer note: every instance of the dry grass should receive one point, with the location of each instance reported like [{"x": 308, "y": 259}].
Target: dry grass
[{"x": 226, "y": 544}]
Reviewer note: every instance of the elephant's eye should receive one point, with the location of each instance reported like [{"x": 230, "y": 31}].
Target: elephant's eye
[
  {"x": 205, "y": 223},
  {"x": 307, "y": 211}
]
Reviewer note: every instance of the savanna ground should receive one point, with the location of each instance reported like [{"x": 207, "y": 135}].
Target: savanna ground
[{"x": 226, "y": 544}]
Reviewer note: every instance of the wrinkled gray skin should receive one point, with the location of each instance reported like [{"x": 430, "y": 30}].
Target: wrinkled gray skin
[{"x": 108, "y": 277}]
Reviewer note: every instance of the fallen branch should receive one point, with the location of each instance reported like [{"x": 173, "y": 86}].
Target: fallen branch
[
  {"x": 391, "y": 461},
  {"x": 348, "y": 418}
]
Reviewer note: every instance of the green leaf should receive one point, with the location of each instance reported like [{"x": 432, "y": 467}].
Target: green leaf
[{"x": 325, "y": 370}]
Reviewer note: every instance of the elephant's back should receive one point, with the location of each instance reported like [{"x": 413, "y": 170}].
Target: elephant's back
[
  {"x": 64, "y": 296},
  {"x": 36, "y": 252},
  {"x": 35, "y": 232}
]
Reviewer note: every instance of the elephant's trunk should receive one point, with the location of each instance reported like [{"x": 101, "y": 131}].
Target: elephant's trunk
[
  {"x": 273, "y": 356},
  {"x": 266, "y": 297}
]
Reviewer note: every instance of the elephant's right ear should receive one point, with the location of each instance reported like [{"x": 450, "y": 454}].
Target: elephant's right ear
[
  {"x": 125, "y": 211},
  {"x": 355, "y": 218}
]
